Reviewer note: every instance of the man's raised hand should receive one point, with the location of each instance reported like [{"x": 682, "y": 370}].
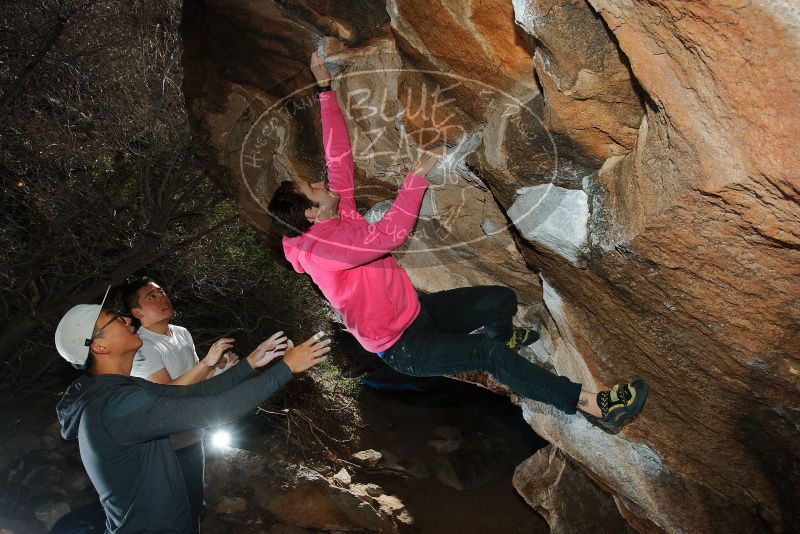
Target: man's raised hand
[
  {"x": 216, "y": 351},
  {"x": 228, "y": 360},
  {"x": 310, "y": 352},
  {"x": 320, "y": 71},
  {"x": 273, "y": 347}
]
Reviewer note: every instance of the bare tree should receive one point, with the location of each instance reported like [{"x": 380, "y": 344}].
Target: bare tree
[{"x": 98, "y": 175}]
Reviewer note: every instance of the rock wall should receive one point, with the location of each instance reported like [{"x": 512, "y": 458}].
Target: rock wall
[
  {"x": 564, "y": 495},
  {"x": 626, "y": 165}
]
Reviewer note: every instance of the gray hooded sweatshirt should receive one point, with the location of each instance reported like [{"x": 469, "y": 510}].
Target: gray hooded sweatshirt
[{"x": 123, "y": 426}]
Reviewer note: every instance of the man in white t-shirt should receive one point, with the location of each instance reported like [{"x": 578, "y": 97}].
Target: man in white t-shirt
[{"x": 168, "y": 356}]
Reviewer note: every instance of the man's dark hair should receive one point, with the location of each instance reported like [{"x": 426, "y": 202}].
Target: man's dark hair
[
  {"x": 130, "y": 292},
  {"x": 288, "y": 210}
]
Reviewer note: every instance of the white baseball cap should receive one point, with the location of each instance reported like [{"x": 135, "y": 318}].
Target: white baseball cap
[{"x": 75, "y": 329}]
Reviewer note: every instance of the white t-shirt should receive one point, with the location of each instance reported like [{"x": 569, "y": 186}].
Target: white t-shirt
[{"x": 176, "y": 354}]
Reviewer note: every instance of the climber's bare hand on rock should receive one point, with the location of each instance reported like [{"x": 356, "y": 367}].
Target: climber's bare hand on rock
[
  {"x": 320, "y": 71},
  {"x": 428, "y": 160}
]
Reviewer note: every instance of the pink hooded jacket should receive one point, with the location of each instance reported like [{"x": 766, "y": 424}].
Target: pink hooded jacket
[{"x": 349, "y": 259}]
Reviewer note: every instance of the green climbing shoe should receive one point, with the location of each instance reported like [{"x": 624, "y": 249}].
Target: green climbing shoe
[
  {"x": 522, "y": 337},
  {"x": 619, "y": 406}
]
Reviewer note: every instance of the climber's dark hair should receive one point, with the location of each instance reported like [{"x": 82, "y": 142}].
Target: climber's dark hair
[{"x": 288, "y": 210}]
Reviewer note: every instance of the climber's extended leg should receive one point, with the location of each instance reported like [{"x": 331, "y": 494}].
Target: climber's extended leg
[
  {"x": 462, "y": 310},
  {"x": 423, "y": 350}
]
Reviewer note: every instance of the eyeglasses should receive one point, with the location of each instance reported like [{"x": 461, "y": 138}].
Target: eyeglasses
[{"x": 116, "y": 316}]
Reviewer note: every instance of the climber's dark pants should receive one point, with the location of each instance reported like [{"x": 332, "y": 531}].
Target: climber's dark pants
[{"x": 438, "y": 343}]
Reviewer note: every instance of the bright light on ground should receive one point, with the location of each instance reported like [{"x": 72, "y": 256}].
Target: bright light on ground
[{"x": 221, "y": 439}]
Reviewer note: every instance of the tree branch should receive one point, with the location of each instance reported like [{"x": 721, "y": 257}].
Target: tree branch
[{"x": 55, "y": 33}]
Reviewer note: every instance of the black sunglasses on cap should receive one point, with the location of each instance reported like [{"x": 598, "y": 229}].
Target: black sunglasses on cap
[{"x": 115, "y": 316}]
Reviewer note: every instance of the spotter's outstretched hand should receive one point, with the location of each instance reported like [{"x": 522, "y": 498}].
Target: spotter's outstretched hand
[
  {"x": 309, "y": 353},
  {"x": 217, "y": 351},
  {"x": 273, "y": 347}
]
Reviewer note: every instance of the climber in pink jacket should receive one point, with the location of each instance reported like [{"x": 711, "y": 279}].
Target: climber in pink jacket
[{"x": 350, "y": 260}]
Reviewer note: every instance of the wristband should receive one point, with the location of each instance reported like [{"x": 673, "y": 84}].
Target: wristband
[{"x": 321, "y": 89}]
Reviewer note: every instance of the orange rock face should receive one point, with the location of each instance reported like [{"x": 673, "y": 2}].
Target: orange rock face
[
  {"x": 587, "y": 85},
  {"x": 667, "y": 127},
  {"x": 473, "y": 41}
]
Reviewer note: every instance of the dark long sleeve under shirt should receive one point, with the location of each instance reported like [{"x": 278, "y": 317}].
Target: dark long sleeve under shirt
[{"x": 123, "y": 423}]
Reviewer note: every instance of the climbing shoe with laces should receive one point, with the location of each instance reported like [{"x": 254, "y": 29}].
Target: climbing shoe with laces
[
  {"x": 522, "y": 337},
  {"x": 619, "y": 406}
]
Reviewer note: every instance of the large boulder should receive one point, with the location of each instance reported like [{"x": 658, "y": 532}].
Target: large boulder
[{"x": 628, "y": 166}]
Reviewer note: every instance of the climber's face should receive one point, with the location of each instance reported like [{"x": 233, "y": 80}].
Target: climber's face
[{"x": 323, "y": 198}]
